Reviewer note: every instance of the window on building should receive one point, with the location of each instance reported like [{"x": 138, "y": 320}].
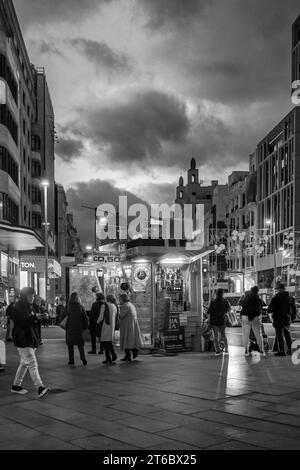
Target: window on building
[
  {"x": 8, "y": 164},
  {"x": 24, "y": 184},
  {"x": 36, "y": 195},
  {"x": 8, "y": 121},
  {"x": 35, "y": 169},
  {"x": 9, "y": 210},
  {"x": 35, "y": 143},
  {"x": 7, "y": 75},
  {"x": 36, "y": 221},
  {"x": 25, "y": 214}
]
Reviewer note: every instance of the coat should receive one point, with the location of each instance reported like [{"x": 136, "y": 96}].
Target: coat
[
  {"x": 93, "y": 317},
  {"x": 77, "y": 323},
  {"x": 252, "y": 306},
  {"x": 130, "y": 335},
  {"x": 283, "y": 308},
  {"x": 108, "y": 331},
  {"x": 26, "y": 326},
  {"x": 217, "y": 310}
]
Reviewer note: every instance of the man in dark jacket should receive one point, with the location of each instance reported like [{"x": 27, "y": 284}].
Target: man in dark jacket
[
  {"x": 217, "y": 311},
  {"x": 283, "y": 311},
  {"x": 26, "y": 339},
  {"x": 251, "y": 319},
  {"x": 60, "y": 309},
  {"x": 95, "y": 330}
]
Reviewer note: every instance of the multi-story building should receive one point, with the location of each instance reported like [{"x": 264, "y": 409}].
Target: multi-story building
[
  {"x": 26, "y": 158},
  {"x": 278, "y": 199}
]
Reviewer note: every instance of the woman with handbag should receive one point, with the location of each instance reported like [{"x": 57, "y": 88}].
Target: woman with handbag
[
  {"x": 217, "y": 311},
  {"x": 108, "y": 317},
  {"x": 76, "y": 322}
]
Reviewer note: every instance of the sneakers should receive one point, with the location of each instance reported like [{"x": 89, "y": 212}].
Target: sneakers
[
  {"x": 42, "y": 391},
  {"x": 19, "y": 390},
  {"x": 247, "y": 354},
  {"x": 114, "y": 358},
  {"x": 84, "y": 362},
  {"x": 217, "y": 353}
]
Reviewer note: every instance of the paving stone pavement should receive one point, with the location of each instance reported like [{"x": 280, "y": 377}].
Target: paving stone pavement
[{"x": 189, "y": 401}]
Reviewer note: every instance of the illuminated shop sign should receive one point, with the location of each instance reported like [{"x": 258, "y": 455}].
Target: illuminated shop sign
[{"x": 37, "y": 265}]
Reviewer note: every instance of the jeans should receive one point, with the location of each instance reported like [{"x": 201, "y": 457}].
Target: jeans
[
  {"x": 255, "y": 324},
  {"x": 28, "y": 362},
  {"x": 109, "y": 350},
  {"x": 219, "y": 329},
  {"x": 281, "y": 333},
  {"x": 81, "y": 353}
]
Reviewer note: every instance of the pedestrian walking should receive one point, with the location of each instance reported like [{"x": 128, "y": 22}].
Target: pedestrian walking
[
  {"x": 76, "y": 324},
  {"x": 9, "y": 320},
  {"x": 94, "y": 327},
  {"x": 251, "y": 318},
  {"x": 52, "y": 315},
  {"x": 108, "y": 316},
  {"x": 283, "y": 309},
  {"x": 60, "y": 308},
  {"x": 130, "y": 335},
  {"x": 217, "y": 313},
  {"x": 26, "y": 340}
]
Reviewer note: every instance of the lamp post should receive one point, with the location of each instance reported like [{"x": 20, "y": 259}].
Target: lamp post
[
  {"x": 45, "y": 185},
  {"x": 95, "y": 223}
]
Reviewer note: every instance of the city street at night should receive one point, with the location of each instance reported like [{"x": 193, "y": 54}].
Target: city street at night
[{"x": 189, "y": 401}]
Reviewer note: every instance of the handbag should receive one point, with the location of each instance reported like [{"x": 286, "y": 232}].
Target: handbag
[{"x": 63, "y": 323}]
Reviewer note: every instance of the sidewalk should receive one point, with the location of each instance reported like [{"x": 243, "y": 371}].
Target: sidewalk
[{"x": 189, "y": 401}]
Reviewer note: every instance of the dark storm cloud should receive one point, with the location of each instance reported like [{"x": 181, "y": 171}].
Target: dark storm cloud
[
  {"x": 102, "y": 55},
  {"x": 92, "y": 193},
  {"x": 137, "y": 130},
  {"x": 166, "y": 12},
  {"x": 47, "y": 11},
  {"x": 48, "y": 48},
  {"x": 69, "y": 149}
]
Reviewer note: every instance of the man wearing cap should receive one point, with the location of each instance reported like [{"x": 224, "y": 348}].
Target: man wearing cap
[
  {"x": 283, "y": 311},
  {"x": 26, "y": 339}
]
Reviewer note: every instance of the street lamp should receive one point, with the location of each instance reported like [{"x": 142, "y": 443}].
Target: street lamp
[{"x": 45, "y": 185}]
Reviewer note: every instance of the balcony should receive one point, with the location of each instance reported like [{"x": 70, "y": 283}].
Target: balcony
[{"x": 7, "y": 141}]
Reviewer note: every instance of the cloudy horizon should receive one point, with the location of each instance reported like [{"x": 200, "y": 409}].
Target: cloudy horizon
[{"x": 140, "y": 87}]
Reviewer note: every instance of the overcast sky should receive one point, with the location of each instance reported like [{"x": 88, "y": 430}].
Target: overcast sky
[{"x": 139, "y": 87}]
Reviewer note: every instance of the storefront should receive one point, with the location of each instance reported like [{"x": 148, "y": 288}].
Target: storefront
[
  {"x": 13, "y": 239},
  {"x": 32, "y": 273}
]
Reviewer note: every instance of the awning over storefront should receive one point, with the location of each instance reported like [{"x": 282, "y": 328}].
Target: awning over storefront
[{"x": 17, "y": 238}]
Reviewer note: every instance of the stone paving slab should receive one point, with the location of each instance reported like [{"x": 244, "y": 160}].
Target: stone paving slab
[{"x": 189, "y": 401}]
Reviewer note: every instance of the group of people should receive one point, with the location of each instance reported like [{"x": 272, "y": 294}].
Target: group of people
[
  {"x": 106, "y": 317},
  {"x": 282, "y": 308}
]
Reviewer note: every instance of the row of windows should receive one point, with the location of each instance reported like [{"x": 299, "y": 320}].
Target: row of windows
[
  {"x": 8, "y": 121},
  {"x": 6, "y": 73},
  {"x": 277, "y": 171},
  {"x": 279, "y": 209},
  {"x": 8, "y": 209},
  {"x": 36, "y": 169},
  {"x": 8, "y": 164}
]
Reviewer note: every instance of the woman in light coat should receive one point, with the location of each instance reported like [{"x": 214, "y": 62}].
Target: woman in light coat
[
  {"x": 108, "y": 315},
  {"x": 130, "y": 335}
]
